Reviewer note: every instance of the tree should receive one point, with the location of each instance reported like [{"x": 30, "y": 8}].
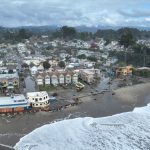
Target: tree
[
  {"x": 61, "y": 64},
  {"x": 46, "y": 65},
  {"x": 68, "y": 32},
  {"x": 23, "y": 34},
  {"x": 127, "y": 39},
  {"x": 24, "y": 65},
  {"x": 92, "y": 58},
  {"x": 82, "y": 56},
  {"x": 10, "y": 71}
]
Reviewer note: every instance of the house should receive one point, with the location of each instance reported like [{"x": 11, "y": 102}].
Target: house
[
  {"x": 38, "y": 99},
  {"x": 68, "y": 78},
  {"x": 16, "y": 103},
  {"x": 47, "y": 79},
  {"x": 39, "y": 79},
  {"x": 6, "y": 79},
  {"x": 75, "y": 78},
  {"x": 61, "y": 78},
  {"x": 33, "y": 70},
  {"x": 89, "y": 75},
  {"x": 124, "y": 71},
  {"x": 54, "y": 79},
  {"x": 40, "y": 68}
]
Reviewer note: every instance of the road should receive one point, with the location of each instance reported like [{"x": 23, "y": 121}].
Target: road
[{"x": 30, "y": 84}]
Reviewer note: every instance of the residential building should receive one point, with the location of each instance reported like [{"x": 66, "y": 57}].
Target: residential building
[
  {"x": 75, "y": 78},
  {"x": 61, "y": 79},
  {"x": 39, "y": 79},
  {"x": 47, "y": 79},
  {"x": 89, "y": 75},
  {"x": 38, "y": 99},
  {"x": 56, "y": 77},
  {"x": 124, "y": 71},
  {"x": 33, "y": 70},
  {"x": 68, "y": 78},
  {"x": 7, "y": 79}
]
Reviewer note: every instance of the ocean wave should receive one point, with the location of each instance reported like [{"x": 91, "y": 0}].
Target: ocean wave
[{"x": 126, "y": 131}]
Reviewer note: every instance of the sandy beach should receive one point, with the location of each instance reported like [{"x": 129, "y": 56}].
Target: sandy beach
[{"x": 125, "y": 99}]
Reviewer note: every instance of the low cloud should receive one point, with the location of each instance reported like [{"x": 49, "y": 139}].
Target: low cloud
[{"x": 74, "y": 13}]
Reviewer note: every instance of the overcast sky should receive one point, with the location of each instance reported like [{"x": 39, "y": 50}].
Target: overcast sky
[{"x": 75, "y": 12}]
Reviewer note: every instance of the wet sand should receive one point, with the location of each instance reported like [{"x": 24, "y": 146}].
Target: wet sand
[{"x": 12, "y": 129}]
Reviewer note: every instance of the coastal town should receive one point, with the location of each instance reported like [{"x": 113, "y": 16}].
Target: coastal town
[
  {"x": 44, "y": 79},
  {"x": 35, "y": 73},
  {"x": 74, "y": 75}
]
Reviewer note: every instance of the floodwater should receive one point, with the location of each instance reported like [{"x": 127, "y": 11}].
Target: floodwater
[{"x": 30, "y": 84}]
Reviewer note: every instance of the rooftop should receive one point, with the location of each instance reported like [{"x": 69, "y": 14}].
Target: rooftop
[
  {"x": 14, "y": 101},
  {"x": 14, "y": 75},
  {"x": 34, "y": 94}
]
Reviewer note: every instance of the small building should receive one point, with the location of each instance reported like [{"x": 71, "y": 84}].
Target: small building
[
  {"x": 54, "y": 79},
  {"x": 75, "y": 78},
  {"x": 16, "y": 103},
  {"x": 47, "y": 79},
  {"x": 61, "y": 79},
  {"x": 39, "y": 79},
  {"x": 124, "y": 71},
  {"x": 40, "y": 68},
  {"x": 89, "y": 75},
  {"x": 6, "y": 79},
  {"x": 68, "y": 78},
  {"x": 33, "y": 70},
  {"x": 38, "y": 99}
]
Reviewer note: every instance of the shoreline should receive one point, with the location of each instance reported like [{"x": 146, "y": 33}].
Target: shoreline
[{"x": 12, "y": 129}]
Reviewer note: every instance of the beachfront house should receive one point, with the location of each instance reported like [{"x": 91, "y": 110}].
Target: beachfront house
[
  {"x": 47, "y": 79},
  {"x": 54, "y": 79},
  {"x": 38, "y": 99},
  {"x": 68, "y": 78},
  {"x": 39, "y": 79},
  {"x": 75, "y": 78},
  {"x": 124, "y": 71},
  {"x": 89, "y": 75},
  {"x": 61, "y": 79}
]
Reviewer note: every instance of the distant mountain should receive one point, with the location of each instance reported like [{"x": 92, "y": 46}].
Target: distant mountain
[{"x": 48, "y": 29}]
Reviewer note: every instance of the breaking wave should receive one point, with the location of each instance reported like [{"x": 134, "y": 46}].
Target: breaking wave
[{"x": 126, "y": 131}]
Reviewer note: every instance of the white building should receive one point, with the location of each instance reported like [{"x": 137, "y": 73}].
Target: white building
[
  {"x": 54, "y": 79},
  {"x": 61, "y": 79},
  {"x": 75, "y": 78},
  {"x": 68, "y": 79},
  {"x": 38, "y": 99},
  {"x": 33, "y": 70}
]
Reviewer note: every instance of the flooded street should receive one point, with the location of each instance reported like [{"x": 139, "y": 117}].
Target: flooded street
[{"x": 30, "y": 84}]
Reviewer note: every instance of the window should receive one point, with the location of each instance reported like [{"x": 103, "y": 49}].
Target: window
[
  {"x": 40, "y": 99},
  {"x": 36, "y": 100},
  {"x": 32, "y": 98},
  {"x": 46, "y": 96},
  {"x": 36, "y": 104}
]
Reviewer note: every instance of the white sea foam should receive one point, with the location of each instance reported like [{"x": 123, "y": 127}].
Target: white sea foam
[{"x": 126, "y": 131}]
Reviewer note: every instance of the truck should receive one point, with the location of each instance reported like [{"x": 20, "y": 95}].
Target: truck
[{"x": 79, "y": 86}]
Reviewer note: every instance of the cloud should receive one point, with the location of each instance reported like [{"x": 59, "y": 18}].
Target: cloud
[{"x": 74, "y": 13}]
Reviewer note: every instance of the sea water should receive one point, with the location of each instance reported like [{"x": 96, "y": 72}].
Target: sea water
[{"x": 126, "y": 131}]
